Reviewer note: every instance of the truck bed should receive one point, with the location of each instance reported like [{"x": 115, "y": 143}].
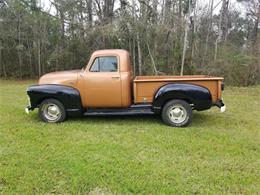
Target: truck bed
[{"x": 146, "y": 86}]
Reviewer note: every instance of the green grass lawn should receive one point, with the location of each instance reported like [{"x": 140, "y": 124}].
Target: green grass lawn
[{"x": 219, "y": 152}]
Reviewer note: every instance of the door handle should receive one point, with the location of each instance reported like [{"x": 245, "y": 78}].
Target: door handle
[{"x": 115, "y": 77}]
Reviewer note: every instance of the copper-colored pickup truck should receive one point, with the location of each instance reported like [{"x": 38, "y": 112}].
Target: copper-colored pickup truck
[{"x": 106, "y": 87}]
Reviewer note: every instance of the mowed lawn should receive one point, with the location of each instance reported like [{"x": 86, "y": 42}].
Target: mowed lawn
[{"x": 219, "y": 152}]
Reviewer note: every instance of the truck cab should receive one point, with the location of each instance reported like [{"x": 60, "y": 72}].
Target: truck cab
[
  {"x": 108, "y": 74},
  {"x": 106, "y": 86}
]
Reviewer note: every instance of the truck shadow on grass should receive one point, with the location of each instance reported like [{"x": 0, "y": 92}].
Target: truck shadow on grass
[
  {"x": 126, "y": 118},
  {"x": 198, "y": 120}
]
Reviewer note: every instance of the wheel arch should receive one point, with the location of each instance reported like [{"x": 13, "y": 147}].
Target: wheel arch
[
  {"x": 176, "y": 97},
  {"x": 38, "y": 103}
]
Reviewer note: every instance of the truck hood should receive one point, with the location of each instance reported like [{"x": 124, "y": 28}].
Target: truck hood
[{"x": 68, "y": 78}]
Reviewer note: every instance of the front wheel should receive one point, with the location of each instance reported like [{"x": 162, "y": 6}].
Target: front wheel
[
  {"x": 52, "y": 111},
  {"x": 177, "y": 113}
]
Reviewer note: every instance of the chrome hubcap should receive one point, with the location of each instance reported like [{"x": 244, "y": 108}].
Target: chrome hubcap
[
  {"x": 177, "y": 114},
  {"x": 51, "y": 112}
]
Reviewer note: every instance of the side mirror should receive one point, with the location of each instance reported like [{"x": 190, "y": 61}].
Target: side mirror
[{"x": 81, "y": 74}]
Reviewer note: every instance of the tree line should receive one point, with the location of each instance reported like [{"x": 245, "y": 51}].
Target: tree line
[{"x": 164, "y": 37}]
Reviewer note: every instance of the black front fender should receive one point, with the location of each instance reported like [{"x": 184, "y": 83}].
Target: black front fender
[
  {"x": 197, "y": 95},
  {"x": 68, "y": 96}
]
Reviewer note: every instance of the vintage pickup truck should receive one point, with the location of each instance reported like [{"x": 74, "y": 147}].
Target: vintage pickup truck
[{"x": 106, "y": 87}]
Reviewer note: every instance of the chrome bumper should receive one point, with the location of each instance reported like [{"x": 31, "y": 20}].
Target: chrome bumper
[
  {"x": 222, "y": 109},
  {"x": 221, "y": 105},
  {"x": 27, "y": 109}
]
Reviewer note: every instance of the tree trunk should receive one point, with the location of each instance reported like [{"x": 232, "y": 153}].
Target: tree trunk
[
  {"x": 62, "y": 24},
  {"x": 39, "y": 57},
  {"x": 208, "y": 32},
  {"x": 224, "y": 23},
  {"x": 218, "y": 38},
  {"x": 255, "y": 42},
  {"x": 89, "y": 8},
  {"x": 184, "y": 49},
  {"x": 30, "y": 58},
  {"x": 134, "y": 41},
  {"x": 19, "y": 47},
  {"x": 166, "y": 13},
  {"x": 43, "y": 49},
  {"x": 81, "y": 18},
  {"x": 108, "y": 9},
  {"x": 1, "y": 64},
  {"x": 223, "y": 26},
  {"x": 139, "y": 55},
  {"x": 151, "y": 56},
  {"x": 178, "y": 38},
  {"x": 133, "y": 50},
  {"x": 185, "y": 39},
  {"x": 193, "y": 41}
]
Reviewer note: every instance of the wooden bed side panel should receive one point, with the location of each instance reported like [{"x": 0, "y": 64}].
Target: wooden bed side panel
[{"x": 144, "y": 91}]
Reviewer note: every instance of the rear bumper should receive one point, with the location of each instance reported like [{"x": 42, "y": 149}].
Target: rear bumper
[{"x": 220, "y": 104}]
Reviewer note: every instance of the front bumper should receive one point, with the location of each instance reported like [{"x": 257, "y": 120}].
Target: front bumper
[
  {"x": 28, "y": 109},
  {"x": 221, "y": 105}
]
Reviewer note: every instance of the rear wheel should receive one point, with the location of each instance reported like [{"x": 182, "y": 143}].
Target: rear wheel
[
  {"x": 177, "y": 113},
  {"x": 52, "y": 111}
]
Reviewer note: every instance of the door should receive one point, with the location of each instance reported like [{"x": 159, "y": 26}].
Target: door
[{"x": 102, "y": 83}]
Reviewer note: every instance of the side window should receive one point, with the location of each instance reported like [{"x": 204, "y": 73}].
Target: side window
[
  {"x": 95, "y": 66},
  {"x": 104, "y": 64}
]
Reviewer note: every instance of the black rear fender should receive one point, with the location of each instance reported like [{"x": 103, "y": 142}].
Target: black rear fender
[{"x": 197, "y": 95}]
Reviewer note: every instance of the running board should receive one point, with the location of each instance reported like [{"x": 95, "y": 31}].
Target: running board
[{"x": 132, "y": 110}]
